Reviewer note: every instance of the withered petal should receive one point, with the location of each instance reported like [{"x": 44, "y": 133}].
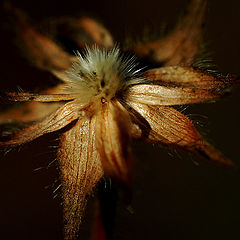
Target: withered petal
[
  {"x": 40, "y": 50},
  {"x": 189, "y": 77},
  {"x": 80, "y": 170},
  {"x": 82, "y": 31},
  {"x": 28, "y": 112},
  {"x": 162, "y": 95},
  {"x": 43, "y": 52},
  {"x": 172, "y": 128},
  {"x": 32, "y": 111},
  {"x": 113, "y": 141},
  {"x": 57, "y": 120},
  {"x": 25, "y": 97},
  {"x": 183, "y": 43}
]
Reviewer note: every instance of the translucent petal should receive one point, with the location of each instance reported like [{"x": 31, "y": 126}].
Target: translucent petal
[
  {"x": 25, "y": 97},
  {"x": 170, "y": 127},
  {"x": 32, "y": 111},
  {"x": 113, "y": 140},
  {"x": 189, "y": 77},
  {"x": 80, "y": 170},
  {"x": 57, "y": 120},
  {"x": 163, "y": 95}
]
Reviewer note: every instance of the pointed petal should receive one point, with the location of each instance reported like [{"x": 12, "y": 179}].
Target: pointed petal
[
  {"x": 40, "y": 50},
  {"x": 183, "y": 43},
  {"x": 189, "y": 77},
  {"x": 29, "y": 112},
  {"x": 170, "y": 127},
  {"x": 162, "y": 95},
  {"x": 113, "y": 140},
  {"x": 83, "y": 31},
  {"x": 43, "y": 52},
  {"x": 57, "y": 120},
  {"x": 81, "y": 169},
  {"x": 32, "y": 111},
  {"x": 24, "y": 97}
]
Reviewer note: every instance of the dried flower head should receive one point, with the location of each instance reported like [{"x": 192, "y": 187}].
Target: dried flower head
[{"x": 105, "y": 99}]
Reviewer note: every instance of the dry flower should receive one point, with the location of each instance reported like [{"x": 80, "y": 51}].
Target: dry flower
[{"x": 104, "y": 100}]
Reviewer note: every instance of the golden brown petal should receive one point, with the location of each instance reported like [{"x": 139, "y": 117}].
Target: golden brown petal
[
  {"x": 57, "y": 120},
  {"x": 32, "y": 111},
  {"x": 82, "y": 31},
  {"x": 162, "y": 95},
  {"x": 183, "y": 43},
  {"x": 188, "y": 77},
  {"x": 40, "y": 50},
  {"x": 113, "y": 141},
  {"x": 170, "y": 127},
  {"x": 80, "y": 169}
]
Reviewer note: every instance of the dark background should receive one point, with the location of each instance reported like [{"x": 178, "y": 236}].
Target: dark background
[{"x": 173, "y": 197}]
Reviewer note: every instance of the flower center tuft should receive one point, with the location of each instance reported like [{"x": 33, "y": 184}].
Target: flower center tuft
[{"x": 99, "y": 74}]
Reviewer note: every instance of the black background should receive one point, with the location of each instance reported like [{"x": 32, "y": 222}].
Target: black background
[{"x": 173, "y": 197}]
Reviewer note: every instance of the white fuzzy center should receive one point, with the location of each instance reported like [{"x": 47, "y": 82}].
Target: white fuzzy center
[{"x": 99, "y": 74}]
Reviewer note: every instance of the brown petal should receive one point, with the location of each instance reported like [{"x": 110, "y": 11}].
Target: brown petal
[
  {"x": 188, "y": 77},
  {"x": 82, "y": 31},
  {"x": 57, "y": 120},
  {"x": 40, "y": 50},
  {"x": 162, "y": 95},
  {"x": 80, "y": 169},
  {"x": 32, "y": 111},
  {"x": 24, "y": 97},
  {"x": 170, "y": 127},
  {"x": 183, "y": 43},
  {"x": 29, "y": 112},
  {"x": 113, "y": 142}
]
